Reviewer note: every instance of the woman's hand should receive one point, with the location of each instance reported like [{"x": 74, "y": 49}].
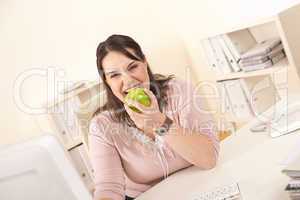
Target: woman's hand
[{"x": 150, "y": 117}]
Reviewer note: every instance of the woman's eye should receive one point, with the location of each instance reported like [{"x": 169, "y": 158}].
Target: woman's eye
[
  {"x": 133, "y": 67},
  {"x": 114, "y": 75}
]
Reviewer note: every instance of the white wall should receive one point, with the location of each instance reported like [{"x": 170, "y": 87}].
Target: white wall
[{"x": 65, "y": 34}]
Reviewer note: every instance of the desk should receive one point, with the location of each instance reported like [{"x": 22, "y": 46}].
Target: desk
[{"x": 254, "y": 160}]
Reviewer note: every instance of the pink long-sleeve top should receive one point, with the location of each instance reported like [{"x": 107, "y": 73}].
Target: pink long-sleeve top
[{"x": 126, "y": 162}]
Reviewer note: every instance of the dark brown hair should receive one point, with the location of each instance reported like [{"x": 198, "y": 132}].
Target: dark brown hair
[{"x": 158, "y": 82}]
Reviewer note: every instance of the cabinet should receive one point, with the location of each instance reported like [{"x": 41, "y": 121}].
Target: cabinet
[
  {"x": 69, "y": 116},
  {"x": 264, "y": 86}
]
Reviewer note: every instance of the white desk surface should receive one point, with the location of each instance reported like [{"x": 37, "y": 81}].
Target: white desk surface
[{"x": 253, "y": 160}]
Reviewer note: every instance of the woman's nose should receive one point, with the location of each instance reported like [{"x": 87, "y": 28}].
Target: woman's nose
[{"x": 127, "y": 79}]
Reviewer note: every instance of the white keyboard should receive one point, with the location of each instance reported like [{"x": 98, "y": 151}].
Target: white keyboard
[{"x": 227, "y": 192}]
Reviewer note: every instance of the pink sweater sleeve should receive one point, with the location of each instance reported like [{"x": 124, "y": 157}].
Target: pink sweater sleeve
[
  {"x": 193, "y": 113},
  {"x": 108, "y": 171}
]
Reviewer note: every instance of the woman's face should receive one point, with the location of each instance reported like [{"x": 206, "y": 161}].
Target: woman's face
[{"x": 123, "y": 73}]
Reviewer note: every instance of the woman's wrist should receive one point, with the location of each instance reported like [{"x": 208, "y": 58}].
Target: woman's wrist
[{"x": 164, "y": 127}]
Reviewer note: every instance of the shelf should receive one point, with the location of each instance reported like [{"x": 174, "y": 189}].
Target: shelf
[
  {"x": 96, "y": 98},
  {"x": 245, "y": 25},
  {"x": 281, "y": 65},
  {"x": 74, "y": 143},
  {"x": 72, "y": 94},
  {"x": 251, "y": 23}
]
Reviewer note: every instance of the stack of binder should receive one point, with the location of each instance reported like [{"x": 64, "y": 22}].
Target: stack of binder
[
  {"x": 293, "y": 187},
  {"x": 224, "y": 51},
  {"x": 219, "y": 56},
  {"x": 239, "y": 51},
  {"x": 262, "y": 55}
]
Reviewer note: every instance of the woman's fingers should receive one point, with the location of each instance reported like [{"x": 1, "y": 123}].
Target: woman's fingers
[
  {"x": 154, "y": 103},
  {"x": 139, "y": 106},
  {"x": 132, "y": 113},
  {"x": 150, "y": 94},
  {"x": 128, "y": 110}
]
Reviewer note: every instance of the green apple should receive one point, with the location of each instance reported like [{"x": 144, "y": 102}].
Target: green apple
[{"x": 139, "y": 95}]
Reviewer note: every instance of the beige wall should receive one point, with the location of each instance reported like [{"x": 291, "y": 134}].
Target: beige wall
[{"x": 64, "y": 34}]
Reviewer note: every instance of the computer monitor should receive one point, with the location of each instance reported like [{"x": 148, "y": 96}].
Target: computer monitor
[{"x": 39, "y": 169}]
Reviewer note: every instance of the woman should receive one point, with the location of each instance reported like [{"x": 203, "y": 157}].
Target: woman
[{"x": 132, "y": 151}]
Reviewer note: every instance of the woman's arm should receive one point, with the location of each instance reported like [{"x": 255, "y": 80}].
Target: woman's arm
[
  {"x": 192, "y": 134},
  {"x": 106, "y": 162},
  {"x": 193, "y": 138},
  {"x": 193, "y": 146}
]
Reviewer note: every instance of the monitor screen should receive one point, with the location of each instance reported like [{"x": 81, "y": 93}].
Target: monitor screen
[{"x": 39, "y": 169}]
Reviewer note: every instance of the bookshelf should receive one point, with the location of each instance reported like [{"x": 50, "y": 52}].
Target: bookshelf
[
  {"x": 69, "y": 116},
  {"x": 229, "y": 53}
]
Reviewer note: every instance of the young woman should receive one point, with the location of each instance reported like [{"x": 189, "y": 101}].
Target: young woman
[{"x": 132, "y": 151}]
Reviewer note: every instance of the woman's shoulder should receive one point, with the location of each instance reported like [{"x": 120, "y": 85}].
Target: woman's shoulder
[
  {"x": 101, "y": 117},
  {"x": 101, "y": 126},
  {"x": 100, "y": 120}
]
